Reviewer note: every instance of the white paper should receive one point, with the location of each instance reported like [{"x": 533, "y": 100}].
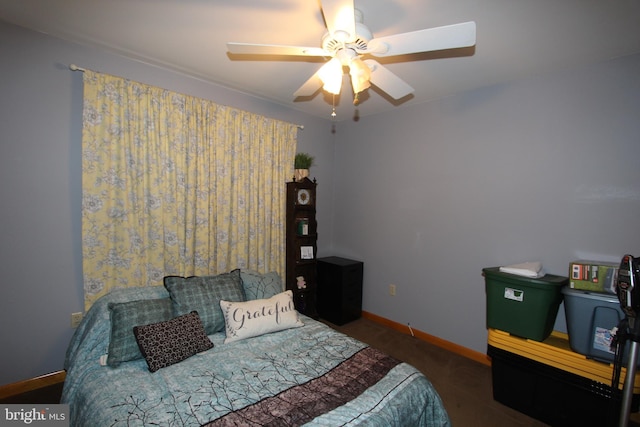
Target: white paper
[{"x": 527, "y": 269}]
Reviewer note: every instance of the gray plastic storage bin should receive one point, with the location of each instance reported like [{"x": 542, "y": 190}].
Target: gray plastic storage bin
[{"x": 590, "y": 318}]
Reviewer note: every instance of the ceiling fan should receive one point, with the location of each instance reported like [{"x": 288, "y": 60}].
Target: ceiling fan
[{"x": 349, "y": 43}]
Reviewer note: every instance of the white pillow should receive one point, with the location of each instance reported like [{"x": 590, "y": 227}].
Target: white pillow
[{"x": 261, "y": 316}]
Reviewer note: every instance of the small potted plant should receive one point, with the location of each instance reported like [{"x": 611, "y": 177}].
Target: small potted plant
[{"x": 302, "y": 163}]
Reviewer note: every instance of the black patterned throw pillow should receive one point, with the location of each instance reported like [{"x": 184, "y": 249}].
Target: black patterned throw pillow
[{"x": 165, "y": 343}]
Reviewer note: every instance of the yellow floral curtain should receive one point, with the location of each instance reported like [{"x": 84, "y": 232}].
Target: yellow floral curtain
[{"x": 177, "y": 185}]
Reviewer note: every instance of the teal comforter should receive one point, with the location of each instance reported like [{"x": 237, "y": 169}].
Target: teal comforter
[{"x": 310, "y": 375}]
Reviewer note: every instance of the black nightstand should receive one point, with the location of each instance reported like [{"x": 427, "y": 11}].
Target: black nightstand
[{"x": 339, "y": 289}]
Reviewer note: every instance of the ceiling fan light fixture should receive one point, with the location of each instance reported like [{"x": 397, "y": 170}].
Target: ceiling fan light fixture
[
  {"x": 347, "y": 37},
  {"x": 360, "y": 75},
  {"x": 331, "y": 76}
]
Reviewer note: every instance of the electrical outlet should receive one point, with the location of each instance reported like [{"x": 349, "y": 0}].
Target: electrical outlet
[
  {"x": 76, "y": 318},
  {"x": 392, "y": 290}
]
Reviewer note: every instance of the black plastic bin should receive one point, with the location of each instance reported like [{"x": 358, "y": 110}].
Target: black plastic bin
[{"x": 551, "y": 395}]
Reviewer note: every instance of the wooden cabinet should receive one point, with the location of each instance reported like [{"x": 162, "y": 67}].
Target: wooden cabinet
[
  {"x": 302, "y": 237},
  {"x": 339, "y": 289}
]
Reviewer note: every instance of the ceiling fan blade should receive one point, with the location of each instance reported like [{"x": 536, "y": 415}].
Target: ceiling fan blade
[
  {"x": 274, "y": 49},
  {"x": 447, "y": 37},
  {"x": 393, "y": 85},
  {"x": 339, "y": 15},
  {"x": 311, "y": 86}
]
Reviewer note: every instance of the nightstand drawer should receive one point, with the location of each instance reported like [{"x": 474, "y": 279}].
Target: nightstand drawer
[
  {"x": 352, "y": 292},
  {"x": 352, "y": 275}
]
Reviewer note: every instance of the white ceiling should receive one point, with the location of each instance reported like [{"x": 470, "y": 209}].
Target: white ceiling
[{"x": 515, "y": 38}]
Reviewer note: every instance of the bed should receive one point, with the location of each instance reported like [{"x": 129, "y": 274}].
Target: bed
[{"x": 296, "y": 371}]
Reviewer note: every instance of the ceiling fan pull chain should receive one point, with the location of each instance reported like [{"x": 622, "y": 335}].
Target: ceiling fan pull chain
[{"x": 333, "y": 105}]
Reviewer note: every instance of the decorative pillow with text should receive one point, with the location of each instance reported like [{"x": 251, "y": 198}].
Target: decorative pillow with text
[{"x": 257, "y": 317}]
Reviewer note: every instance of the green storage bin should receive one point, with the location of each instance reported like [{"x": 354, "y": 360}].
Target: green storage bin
[{"x": 521, "y": 305}]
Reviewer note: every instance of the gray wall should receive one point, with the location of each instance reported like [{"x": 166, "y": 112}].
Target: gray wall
[
  {"x": 540, "y": 169},
  {"x": 544, "y": 169},
  {"x": 40, "y": 171}
]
